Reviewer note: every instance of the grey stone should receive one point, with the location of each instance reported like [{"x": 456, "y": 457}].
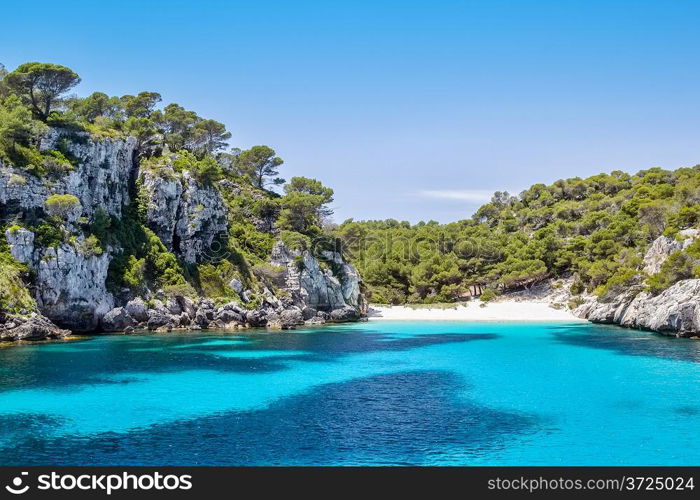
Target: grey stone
[
  {"x": 236, "y": 285},
  {"x": 229, "y": 316},
  {"x": 117, "y": 320},
  {"x": 173, "y": 306},
  {"x": 344, "y": 314},
  {"x": 35, "y": 327},
  {"x": 256, "y": 318},
  {"x": 157, "y": 319},
  {"x": 309, "y": 312},
  {"x": 137, "y": 309},
  {"x": 185, "y": 214},
  {"x": 289, "y": 318}
]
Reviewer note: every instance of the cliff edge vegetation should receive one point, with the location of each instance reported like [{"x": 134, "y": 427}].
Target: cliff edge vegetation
[{"x": 119, "y": 212}]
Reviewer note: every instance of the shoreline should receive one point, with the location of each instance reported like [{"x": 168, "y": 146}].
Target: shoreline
[{"x": 502, "y": 310}]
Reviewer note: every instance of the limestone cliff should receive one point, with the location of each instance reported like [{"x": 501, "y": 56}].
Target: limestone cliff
[
  {"x": 100, "y": 179},
  {"x": 70, "y": 286},
  {"x": 334, "y": 287},
  {"x": 70, "y": 278},
  {"x": 187, "y": 215},
  {"x": 674, "y": 312}
]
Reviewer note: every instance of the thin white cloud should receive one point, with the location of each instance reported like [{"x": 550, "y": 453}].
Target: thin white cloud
[{"x": 473, "y": 195}]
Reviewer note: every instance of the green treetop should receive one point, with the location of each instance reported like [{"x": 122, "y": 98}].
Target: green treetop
[{"x": 41, "y": 85}]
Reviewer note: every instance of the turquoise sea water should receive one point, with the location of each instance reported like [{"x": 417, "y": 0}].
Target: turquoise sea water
[{"x": 377, "y": 393}]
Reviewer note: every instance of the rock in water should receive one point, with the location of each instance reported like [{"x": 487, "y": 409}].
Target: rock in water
[
  {"x": 292, "y": 317},
  {"x": 675, "y": 311},
  {"x": 117, "y": 320},
  {"x": 344, "y": 315},
  {"x": 34, "y": 327},
  {"x": 137, "y": 309}
]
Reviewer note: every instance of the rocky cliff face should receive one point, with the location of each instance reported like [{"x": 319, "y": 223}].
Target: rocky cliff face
[
  {"x": 186, "y": 214},
  {"x": 674, "y": 312},
  {"x": 314, "y": 296},
  {"x": 334, "y": 287},
  {"x": 341, "y": 302},
  {"x": 70, "y": 286},
  {"x": 69, "y": 282},
  {"x": 101, "y": 178},
  {"x": 664, "y": 246}
]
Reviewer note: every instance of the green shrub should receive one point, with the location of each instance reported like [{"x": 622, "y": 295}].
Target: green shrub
[
  {"x": 61, "y": 205},
  {"x": 49, "y": 234},
  {"x": 575, "y": 302},
  {"x": 678, "y": 266},
  {"x": 134, "y": 274},
  {"x": 55, "y": 163},
  {"x": 14, "y": 294},
  {"x": 295, "y": 241},
  {"x": 180, "y": 290},
  {"x": 619, "y": 283},
  {"x": 212, "y": 282},
  {"x": 273, "y": 276},
  {"x": 91, "y": 246},
  {"x": 17, "y": 180}
]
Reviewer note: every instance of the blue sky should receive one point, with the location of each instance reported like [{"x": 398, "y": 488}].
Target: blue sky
[{"x": 414, "y": 110}]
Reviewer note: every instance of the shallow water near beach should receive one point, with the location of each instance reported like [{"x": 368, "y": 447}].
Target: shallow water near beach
[{"x": 377, "y": 393}]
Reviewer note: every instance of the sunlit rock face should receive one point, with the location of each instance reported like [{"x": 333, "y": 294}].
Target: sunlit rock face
[
  {"x": 186, "y": 214},
  {"x": 664, "y": 246},
  {"x": 675, "y": 311},
  {"x": 100, "y": 179},
  {"x": 70, "y": 283},
  {"x": 334, "y": 286}
]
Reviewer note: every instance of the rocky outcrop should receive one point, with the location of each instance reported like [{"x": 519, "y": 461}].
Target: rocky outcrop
[
  {"x": 33, "y": 327},
  {"x": 185, "y": 214},
  {"x": 289, "y": 318},
  {"x": 335, "y": 286},
  {"x": 674, "y": 312},
  {"x": 71, "y": 287},
  {"x": 163, "y": 193},
  {"x": 664, "y": 246},
  {"x": 188, "y": 314},
  {"x": 70, "y": 284},
  {"x": 117, "y": 320},
  {"x": 203, "y": 314},
  {"x": 344, "y": 315},
  {"x": 100, "y": 178}
]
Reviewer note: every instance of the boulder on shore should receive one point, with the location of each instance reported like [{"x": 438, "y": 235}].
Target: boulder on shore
[
  {"x": 117, "y": 320},
  {"x": 34, "y": 327},
  {"x": 290, "y": 318},
  {"x": 344, "y": 315}
]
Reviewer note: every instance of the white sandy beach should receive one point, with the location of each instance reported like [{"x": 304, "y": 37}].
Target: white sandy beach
[{"x": 503, "y": 310}]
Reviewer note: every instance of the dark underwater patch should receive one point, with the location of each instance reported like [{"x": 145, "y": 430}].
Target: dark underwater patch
[
  {"x": 403, "y": 418},
  {"x": 628, "y": 342},
  {"x": 30, "y": 428},
  {"x": 44, "y": 366},
  {"x": 687, "y": 411}
]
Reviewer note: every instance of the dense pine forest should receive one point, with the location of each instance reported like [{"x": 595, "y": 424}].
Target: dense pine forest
[{"x": 592, "y": 230}]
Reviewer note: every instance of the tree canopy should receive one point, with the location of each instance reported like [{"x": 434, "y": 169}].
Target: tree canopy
[
  {"x": 260, "y": 163},
  {"x": 41, "y": 85},
  {"x": 592, "y": 230}
]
